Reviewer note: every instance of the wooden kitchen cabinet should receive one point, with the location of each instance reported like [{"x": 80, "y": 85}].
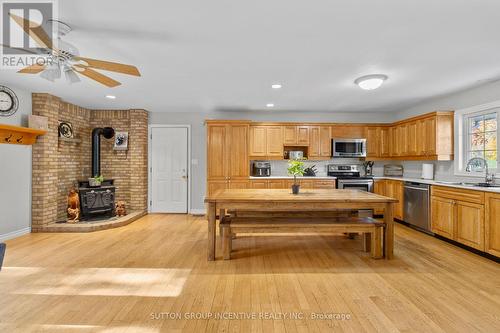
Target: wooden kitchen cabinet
[
  {"x": 258, "y": 184},
  {"x": 430, "y": 133},
  {"x": 443, "y": 216},
  {"x": 470, "y": 224},
  {"x": 459, "y": 215},
  {"x": 296, "y": 135},
  {"x": 276, "y": 183},
  {"x": 394, "y": 146},
  {"x": 394, "y": 189},
  {"x": 290, "y": 135},
  {"x": 258, "y": 141},
  {"x": 412, "y": 138},
  {"x": 385, "y": 142},
  {"x": 379, "y": 188},
  {"x": 373, "y": 142},
  {"x": 266, "y": 141},
  {"x": 227, "y": 155},
  {"x": 320, "y": 138},
  {"x": 492, "y": 224},
  {"x": 215, "y": 185},
  {"x": 238, "y": 184},
  {"x": 403, "y": 140},
  {"x": 325, "y": 184},
  {"x": 274, "y": 138},
  {"x": 421, "y": 137},
  {"x": 216, "y": 151}
]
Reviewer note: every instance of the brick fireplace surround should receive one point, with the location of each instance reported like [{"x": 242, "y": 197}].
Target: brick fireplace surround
[{"x": 58, "y": 165}]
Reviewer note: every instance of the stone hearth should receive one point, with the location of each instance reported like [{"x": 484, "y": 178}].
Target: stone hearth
[{"x": 58, "y": 165}]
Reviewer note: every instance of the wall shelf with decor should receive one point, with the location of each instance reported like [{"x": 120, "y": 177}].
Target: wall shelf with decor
[
  {"x": 70, "y": 140},
  {"x": 18, "y": 135}
]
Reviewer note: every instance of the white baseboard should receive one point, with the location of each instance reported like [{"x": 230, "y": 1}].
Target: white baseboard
[
  {"x": 15, "y": 234},
  {"x": 197, "y": 212}
]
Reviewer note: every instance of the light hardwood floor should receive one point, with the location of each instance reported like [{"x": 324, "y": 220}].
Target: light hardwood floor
[{"x": 116, "y": 280}]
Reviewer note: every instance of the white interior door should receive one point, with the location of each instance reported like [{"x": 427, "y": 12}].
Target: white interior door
[{"x": 169, "y": 169}]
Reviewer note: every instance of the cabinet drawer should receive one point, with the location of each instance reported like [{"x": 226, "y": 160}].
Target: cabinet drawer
[
  {"x": 328, "y": 184},
  {"x": 458, "y": 194}
]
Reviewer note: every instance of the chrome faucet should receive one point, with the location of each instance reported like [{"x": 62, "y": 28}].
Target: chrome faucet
[{"x": 479, "y": 160}]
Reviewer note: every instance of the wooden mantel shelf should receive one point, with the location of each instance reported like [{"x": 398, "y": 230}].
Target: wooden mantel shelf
[{"x": 18, "y": 135}]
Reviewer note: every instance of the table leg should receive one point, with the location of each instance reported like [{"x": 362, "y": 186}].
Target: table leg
[
  {"x": 389, "y": 231},
  {"x": 211, "y": 231}
]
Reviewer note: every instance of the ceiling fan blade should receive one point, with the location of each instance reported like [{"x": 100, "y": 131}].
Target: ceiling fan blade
[
  {"x": 96, "y": 76},
  {"x": 34, "y": 31},
  {"x": 33, "y": 69},
  {"x": 110, "y": 66}
]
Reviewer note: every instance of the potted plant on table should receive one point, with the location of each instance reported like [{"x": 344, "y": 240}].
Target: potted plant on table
[{"x": 296, "y": 168}]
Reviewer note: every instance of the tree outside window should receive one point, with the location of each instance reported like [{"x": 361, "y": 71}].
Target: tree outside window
[{"x": 482, "y": 138}]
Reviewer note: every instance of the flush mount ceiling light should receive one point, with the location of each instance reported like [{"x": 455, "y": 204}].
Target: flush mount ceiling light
[
  {"x": 371, "y": 82},
  {"x": 110, "y": 97},
  {"x": 270, "y": 105},
  {"x": 276, "y": 86}
]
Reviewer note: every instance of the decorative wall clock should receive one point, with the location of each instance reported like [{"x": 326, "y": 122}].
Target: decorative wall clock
[{"x": 8, "y": 102}]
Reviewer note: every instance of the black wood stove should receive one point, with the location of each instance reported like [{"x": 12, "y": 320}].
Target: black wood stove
[{"x": 97, "y": 201}]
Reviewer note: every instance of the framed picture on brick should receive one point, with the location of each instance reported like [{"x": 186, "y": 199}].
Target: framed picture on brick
[{"x": 121, "y": 141}]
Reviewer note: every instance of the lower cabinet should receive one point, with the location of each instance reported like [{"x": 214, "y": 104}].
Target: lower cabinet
[
  {"x": 492, "y": 224},
  {"x": 287, "y": 183},
  {"x": 459, "y": 215},
  {"x": 215, "y": 185},
  {"x": 470, "y": 225},
  {"x": 379, "y": 188},
  {"x": 443, "y": 216},
  {"x": 392, "y": 189}
]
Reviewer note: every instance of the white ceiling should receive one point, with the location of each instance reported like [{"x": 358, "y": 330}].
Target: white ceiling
[{"x": 225, "y": 54}]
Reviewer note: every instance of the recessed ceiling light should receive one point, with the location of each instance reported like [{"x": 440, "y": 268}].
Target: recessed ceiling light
[
  {"x": 270, "y": 105},
  {"x": 276, "y": 86},
  {"x": 370, "y": 82},
  {"x": 110, "y": 97}
]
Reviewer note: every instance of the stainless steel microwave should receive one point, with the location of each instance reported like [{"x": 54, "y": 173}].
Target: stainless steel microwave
[{"x": 348, "y": 147}]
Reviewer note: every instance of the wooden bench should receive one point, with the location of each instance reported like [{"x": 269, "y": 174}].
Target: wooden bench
[{"x": 369, "y": 227}]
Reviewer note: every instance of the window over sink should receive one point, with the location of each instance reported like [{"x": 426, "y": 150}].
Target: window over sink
[{"x": 476, "y": 136}]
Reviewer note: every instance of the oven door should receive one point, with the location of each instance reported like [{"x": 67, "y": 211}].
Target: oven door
[
  {"x": 358, "y": 184},
  {"x": 355, "y": 184}
]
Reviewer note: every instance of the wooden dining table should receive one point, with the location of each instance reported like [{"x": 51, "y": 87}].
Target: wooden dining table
[{"x": 282, "y": 200}]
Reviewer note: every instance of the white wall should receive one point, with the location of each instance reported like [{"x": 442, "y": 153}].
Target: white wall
[
  {"x": 15, "y": 176},
  {"x": 198, "y": 133}
]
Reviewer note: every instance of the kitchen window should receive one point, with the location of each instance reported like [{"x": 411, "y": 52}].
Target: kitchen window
[{"x": 477, "y": 137}]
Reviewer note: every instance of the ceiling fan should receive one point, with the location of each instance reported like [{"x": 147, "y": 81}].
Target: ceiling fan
[{"x": 66, "y": 58}]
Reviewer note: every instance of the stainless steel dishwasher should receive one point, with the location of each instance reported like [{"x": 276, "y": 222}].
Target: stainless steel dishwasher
[{"x": 417, "y": 205}]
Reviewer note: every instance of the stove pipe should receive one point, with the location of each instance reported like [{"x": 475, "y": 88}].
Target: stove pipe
[{"x": 108, "y": 133}]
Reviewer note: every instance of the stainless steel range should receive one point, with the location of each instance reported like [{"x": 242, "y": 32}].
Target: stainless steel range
[{"x": 349, "y": 177}]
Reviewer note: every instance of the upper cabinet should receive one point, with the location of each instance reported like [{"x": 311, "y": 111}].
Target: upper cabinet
[
  {"x": 320, "y": 138},
  {"x": 266, "y": 141},
  {"x": 427, "y": 137},
  {"x": 295, "y": 135},
  {"x": 373, "y": 142}
]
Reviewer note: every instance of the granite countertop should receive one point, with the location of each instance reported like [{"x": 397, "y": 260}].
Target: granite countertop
[{"x": 448, "y": 183}]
